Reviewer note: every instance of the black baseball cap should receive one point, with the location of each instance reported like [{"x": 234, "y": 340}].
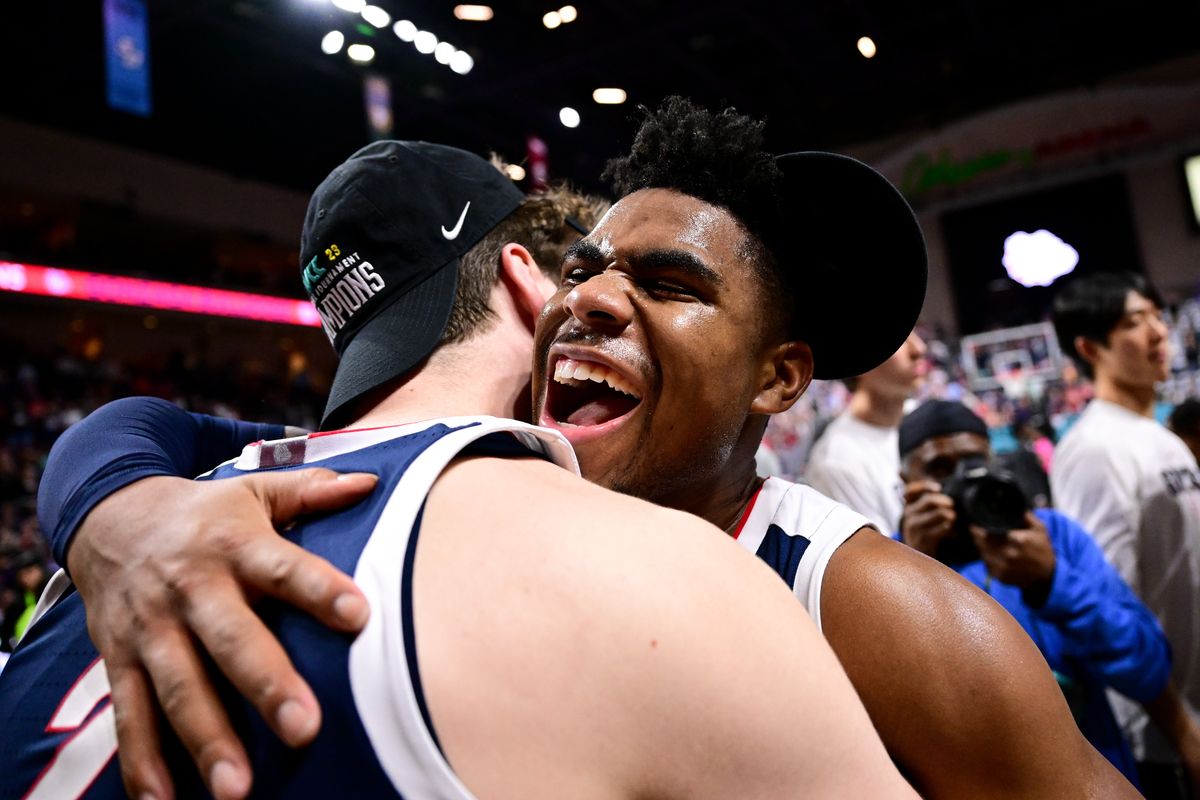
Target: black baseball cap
[
  {"x": 859, "y": 259},
  {"x": 937, "y": 418},
  {"x": 380, "y": 250}
]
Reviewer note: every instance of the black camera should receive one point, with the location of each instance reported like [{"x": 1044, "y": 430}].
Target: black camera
[{"x": 983, "y": 496}]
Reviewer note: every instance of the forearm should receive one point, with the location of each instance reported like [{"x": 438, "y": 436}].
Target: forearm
[{"x": 123, "y": 442}]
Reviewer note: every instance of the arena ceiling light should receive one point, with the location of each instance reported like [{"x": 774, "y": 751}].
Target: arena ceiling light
[
  {"x": 353, "y": 6},
  {"x": 1039, "y": 258},
  {"x": 866, "y": 46},
  {"x": 566, "y": 14},
  {"x": 461, "y": 62},
  {"x": 515, "y": 171},
  {"x": 568, "y": 117},
  {"x": 473, "y": 13},
  {"x": 376, "y": 16},
  {"x": 610, "y": 96},
  {"x": 425, "y": 42},
  {"x": 332, "y": 42},
  {"x": 405, "y": 31},
  {"x": 361, "y": 53},
  {"x": 444, "y": 52}
]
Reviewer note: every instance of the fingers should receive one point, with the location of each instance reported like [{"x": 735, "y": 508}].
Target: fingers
[
  {"x": 932, "y": 515},
  {"x": 192, "y": 707},
  {"x": 277, "y": 567},
  {"x": 250, "y": 656},
  {"x": 142, "y": 768},
  {"x": 288, "y": 495},
  {"x": 916, "y": 489}
]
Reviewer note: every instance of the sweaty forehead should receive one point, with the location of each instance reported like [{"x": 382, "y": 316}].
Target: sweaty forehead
[{"x": 663, "y": 218}]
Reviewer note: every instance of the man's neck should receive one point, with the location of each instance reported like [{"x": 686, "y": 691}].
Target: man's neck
[
  {"x": 721, "y": 498},
  {"x": 475, "y": 378},
  {"x": 1138, "y": 399},
  {"x": 877, "y": 410}
]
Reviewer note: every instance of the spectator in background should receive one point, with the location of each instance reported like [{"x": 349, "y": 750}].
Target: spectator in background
[
  {"x": 1030, "y": 461},
  {"x": 30, "y": 577},
  {"x": 1185, "y": 423},
  {"x": 1047, "y": 573},
  {"x": 1133, "y": 484},
  {"x": 855, "y": 460}
]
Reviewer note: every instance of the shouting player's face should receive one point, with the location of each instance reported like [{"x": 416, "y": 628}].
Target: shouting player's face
[{"x": 650, "y": 356}]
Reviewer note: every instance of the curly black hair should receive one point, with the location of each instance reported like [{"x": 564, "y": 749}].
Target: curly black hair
[{"x": 717, "y": 157}]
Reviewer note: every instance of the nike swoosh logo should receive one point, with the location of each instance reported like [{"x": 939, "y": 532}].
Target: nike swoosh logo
[{"x": 452, "y": 234}]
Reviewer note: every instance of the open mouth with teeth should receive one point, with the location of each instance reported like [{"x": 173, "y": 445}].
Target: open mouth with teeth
[{"x": 584, "y": 393}]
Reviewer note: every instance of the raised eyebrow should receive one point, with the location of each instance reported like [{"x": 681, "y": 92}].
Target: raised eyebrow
[{"x": 682, "y": 260}]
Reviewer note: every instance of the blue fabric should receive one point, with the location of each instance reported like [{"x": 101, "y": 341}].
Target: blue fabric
[
  {"x": 1092, "y": 630},
  {"x": 123, "y": 442},
  {"x": 783, "y": 552}
]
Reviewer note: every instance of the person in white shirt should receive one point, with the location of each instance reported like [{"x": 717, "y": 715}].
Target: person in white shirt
[
  {"x": 856, "y": 461},
  {"x": 1135, "y": 486}
]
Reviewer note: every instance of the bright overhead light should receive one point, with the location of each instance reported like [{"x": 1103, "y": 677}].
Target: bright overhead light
[
  {"x": 377, "y": 16},
  {"x": 405, "y": 30},
  {"x": 609, "y": 96},
  {"x": 568, "y": 14},
  {"x": 443, "y": 52},
  {"x": 552, "y": 19},
  {"x": 461, "y": 62},
  {"x": 569, "y": 117},
  {"x": 425, "y": 42},
  {"x": 362, "y": 53},
  {"x": 1039, "y": 258},
  {"x": 515, "y": 171},
  {"x": 332, "y": 42},
  {"x": 866, "y": 46},
  {"x": 473, "y": 13},
  {"x": 353, "y": 6}
]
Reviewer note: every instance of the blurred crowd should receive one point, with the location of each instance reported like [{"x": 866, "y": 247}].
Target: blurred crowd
[
  {"x": 41, "y": 394},
  {"x": 1018, "y": 413}
]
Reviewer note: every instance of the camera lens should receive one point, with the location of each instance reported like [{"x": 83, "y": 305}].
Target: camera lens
[{"x": 995, "y": 503}]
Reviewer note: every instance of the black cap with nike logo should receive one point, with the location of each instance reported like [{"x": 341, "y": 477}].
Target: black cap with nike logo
[{"x": 380, "y": 251}]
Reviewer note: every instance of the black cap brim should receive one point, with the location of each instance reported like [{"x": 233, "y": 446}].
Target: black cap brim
[
  {"x": 858, "y": 254},
  {"x": 399, "y": 337}
]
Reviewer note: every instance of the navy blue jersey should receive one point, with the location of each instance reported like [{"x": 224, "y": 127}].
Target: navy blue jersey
[
  {"x": 796, "y": 530},
  {"x": 376, "y": 739}
]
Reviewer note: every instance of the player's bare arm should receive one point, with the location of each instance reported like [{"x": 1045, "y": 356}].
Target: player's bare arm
[
  {"x": 584, "y": 644},
  {"x": 165, "y": 563},
  {"x": 962, "y": 698}
]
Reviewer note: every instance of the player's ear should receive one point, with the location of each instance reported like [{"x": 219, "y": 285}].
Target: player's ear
[
  {"x": 1088, "y": 349},
  {"x": 527, "y": 286},
  {"x": 785, "y": 375}
]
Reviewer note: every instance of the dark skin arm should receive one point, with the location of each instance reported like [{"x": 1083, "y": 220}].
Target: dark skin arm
[{"x": 961, "y": 697}]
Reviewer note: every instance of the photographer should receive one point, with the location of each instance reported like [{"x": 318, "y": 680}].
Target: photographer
[{"x": 1041, "y": 566}]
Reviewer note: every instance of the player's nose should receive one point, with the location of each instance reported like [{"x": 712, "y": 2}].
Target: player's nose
[{"x": 602, "y": 301}]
